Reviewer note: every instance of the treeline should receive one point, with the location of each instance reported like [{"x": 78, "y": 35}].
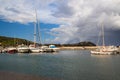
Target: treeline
[
  {"x": 84, "y": 43},
  {"x": 8, "y": 41}
]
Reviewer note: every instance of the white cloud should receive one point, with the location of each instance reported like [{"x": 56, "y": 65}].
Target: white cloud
[
  {"x": 78, "y": 19},
  {"x": 23, "y": 11},
  {"x": 86, "y": 19}
]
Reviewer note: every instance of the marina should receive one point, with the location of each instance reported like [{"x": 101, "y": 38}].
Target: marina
[
  {"x": 59, "y": 40},
  {"x": 26, "y": 49},
  {"x": 29, "y": 49}
]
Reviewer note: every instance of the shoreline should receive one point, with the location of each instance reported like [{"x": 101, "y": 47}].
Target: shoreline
[
  {"x": 19, "y": 76},
  {"x": 78, "y": 48}
]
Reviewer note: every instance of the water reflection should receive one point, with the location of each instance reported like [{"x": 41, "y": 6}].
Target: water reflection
[
  {"x": 65, "y": 65},
  {"x": 105, "y": 66}
]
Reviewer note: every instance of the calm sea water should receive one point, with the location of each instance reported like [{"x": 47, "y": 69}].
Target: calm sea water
[{"x": 64, "y": 65}]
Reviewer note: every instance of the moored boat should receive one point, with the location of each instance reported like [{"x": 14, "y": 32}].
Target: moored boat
[
  {"x": 23, "y": 49},
  {"x": 50, "y": 48},
  {"x": 104, "y": 50},
  {"x": 34, "y": 49},
  {"x": 11, "y": 50},
  {"x": 54, "y": 48}
]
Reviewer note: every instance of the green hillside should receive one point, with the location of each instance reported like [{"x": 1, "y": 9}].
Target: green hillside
[{"x": 8, "y": 41}]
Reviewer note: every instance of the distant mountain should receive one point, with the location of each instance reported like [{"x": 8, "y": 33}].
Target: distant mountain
[
  {"x": 8, "y": 41},
  {"x": 85, "y": 43}
]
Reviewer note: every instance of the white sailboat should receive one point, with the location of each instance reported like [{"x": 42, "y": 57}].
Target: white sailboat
[
  {"x": 104, "y": 50},
  {"x": 33, "y": 47},
  {"x": 36, "y": 49}
]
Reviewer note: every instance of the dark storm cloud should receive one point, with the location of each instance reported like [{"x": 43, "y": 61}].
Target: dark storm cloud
[
  {"x": 112, "y": 37},
  {"x": 87, "y": 19}
]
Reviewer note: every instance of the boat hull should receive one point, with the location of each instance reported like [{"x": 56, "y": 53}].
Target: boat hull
[
  {"x": 34, "y": 50},
  {"x": 12, "y": 51},
  {"x": 103, "y": 52},
  {"x": 23, "y": 50}
]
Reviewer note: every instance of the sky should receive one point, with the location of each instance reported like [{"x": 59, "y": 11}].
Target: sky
[{"x": 61, "y": 21}]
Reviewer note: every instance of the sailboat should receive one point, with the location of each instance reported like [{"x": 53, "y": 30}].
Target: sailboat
[
  {"x": 104, "y": 50},
  {"x": 33, "y": 47}
]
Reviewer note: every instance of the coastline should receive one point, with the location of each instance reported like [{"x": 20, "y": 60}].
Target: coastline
[
  {"x": 78, "y": 48},
  {"x": 18, "y": 76}
]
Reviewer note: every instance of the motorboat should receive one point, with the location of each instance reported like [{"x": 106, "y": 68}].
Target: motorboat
[
  {"x": 23, "y": 49},
  {"x": 11, "y": 50}
]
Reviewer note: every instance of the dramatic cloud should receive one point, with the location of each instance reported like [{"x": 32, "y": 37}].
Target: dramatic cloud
[
  {"x": 23, "y": 11},
  {"x": 84, "y": 24},
  {"x": 79, "y": 20}
]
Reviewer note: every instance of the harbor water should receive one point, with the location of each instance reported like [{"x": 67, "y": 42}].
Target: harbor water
[{"x": 63, "y": 65}]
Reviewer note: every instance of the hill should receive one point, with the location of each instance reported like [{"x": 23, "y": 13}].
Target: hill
[
  {"x": 9, "y": 41},
  {"x": 84, "y": 43}
]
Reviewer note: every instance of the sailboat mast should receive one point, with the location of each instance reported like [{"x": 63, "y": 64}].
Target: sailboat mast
[
  {"x": 40, "y": 40},
  {"x": 103, "y": 38},
  {"x": 35, "y": 25}
]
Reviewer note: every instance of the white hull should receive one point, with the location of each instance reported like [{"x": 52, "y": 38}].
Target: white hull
[
  {"x": 102, "y": 52},
  {"x": 23, "y": 50},
  {"x": 55, "y": 49},
  {"x": 34, "y": 50},
  {"x": 12, "y": 48},
  {"x": 105, "y": 50},
  {"x": 51, "y": 49}
]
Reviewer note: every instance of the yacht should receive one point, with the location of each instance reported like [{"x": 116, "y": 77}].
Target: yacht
[
  {"x": 23, "y": 49},
  {"x": 54, "y": 48},
  {"x": 104, "y": 50},
  {"x": 50, "y": 48},
  {"x": 34, "y": 49},
  {"x": 11, "y": 50}
]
